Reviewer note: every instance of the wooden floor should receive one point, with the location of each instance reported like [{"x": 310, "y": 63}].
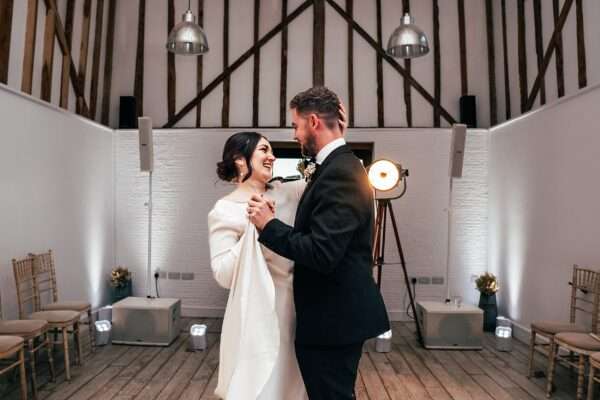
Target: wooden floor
[{"x": 408, "y": 372}]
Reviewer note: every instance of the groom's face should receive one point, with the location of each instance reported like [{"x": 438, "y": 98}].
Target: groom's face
[{"x": 304, "y": 134}]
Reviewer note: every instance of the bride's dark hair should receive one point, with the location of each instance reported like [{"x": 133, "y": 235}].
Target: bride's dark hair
[{"x": 238, "y": 145}]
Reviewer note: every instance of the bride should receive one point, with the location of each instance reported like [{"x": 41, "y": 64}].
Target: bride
[{"x": 257, "y": 357}]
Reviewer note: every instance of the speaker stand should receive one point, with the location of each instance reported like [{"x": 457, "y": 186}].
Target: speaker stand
[
  {"x": 149, "y": 268},
  {"x": 383, "y": 206}
]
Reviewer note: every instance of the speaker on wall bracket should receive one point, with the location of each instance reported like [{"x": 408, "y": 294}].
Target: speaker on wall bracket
[
  {"x": 468, "y": 111},
  {"x": 127, "y": 113}
]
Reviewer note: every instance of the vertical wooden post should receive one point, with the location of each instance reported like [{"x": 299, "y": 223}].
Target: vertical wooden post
[
  {"x": 29, "y": 54},
  {"x": 505, "y": 53},
  {"x": 464, "y": 83},
  {"x": 226, "y": 81},
  {"x": 350, "y": 63},
  {"x": 83, "y": 54},
  {"x": 199, "y": 67},
  {"x": 539, "y": 44},
  {"x": 6, "y": 13},
  {"x": 380, "y": 109},
  {"x": 522, "y": 53},
  {"x": 171, "y": 77},
  {"x": 256, "y": 71},
  {"x": 96, "y": 58},
  {"x": 46, "y": 91},
  {"x": 138, "y": 85},
  {"x": 408, "y": 68},
  {"x": 489, "y": 12},
  {"x": 66, "y": 60},
  {"x": 319, "y": 43},
  {"x": 283, "y": 77},
  {"x": 581, "y": 63},
  {"x": 110, "y": 36},
  {"x": 560, "y": 74},
  {"x": 437, "y": 72}
]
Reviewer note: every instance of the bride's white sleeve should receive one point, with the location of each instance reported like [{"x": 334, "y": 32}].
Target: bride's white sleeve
[{"x": 224, "y": 242}]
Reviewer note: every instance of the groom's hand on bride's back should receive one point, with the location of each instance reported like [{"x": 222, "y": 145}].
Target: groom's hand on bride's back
[{"x": 260, "y": 211}]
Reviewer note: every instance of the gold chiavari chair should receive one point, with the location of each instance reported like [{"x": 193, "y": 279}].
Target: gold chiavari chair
[
  {"x": 11, "y": 346},
  {"x": 58, "y": 321},
  {"x": 45, "y": 272}
]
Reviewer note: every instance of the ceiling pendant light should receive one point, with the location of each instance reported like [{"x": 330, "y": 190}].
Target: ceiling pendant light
[
  {"x": 187, "y": 37},
  {"x": 407, "y": 41}
]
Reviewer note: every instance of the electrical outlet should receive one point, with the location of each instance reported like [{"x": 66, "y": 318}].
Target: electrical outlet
[
  {"x": 187, "y": 276},
  {"x": 437, "y": 280},
  {"x": 423, "y": 280},
  {"x": 174, "y": 275}
]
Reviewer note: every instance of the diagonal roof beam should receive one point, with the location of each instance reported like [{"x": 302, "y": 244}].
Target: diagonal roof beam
[
  {"x": 64, "y": 47},
  {"x": 564, "y": 13},
  {"x": 409, "y": 78},
  {"x": 237, "y": 63}
]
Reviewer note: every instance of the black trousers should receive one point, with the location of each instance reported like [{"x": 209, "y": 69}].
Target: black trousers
[{"x": 329, "y": 373}]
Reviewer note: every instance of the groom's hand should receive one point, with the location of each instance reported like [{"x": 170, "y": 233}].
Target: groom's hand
[{"x": 260, "y": 211}]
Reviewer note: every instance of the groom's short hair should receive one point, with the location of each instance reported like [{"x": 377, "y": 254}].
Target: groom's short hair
[{"x": 321, "y": 101}]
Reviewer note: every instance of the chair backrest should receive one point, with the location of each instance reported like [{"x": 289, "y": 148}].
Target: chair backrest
[
  {"x": 26, "y": 287},
  {"x": 45, "y": 277},
  {"x": 585, "y": 295}
]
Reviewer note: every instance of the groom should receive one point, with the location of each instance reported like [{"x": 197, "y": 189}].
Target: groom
[{"x": 338, "y": 305}]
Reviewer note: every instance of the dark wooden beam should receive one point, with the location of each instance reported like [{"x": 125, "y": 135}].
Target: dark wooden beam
[
  {"x": 226, "y": 81},
  {"x": 405, "y": 83},
  {"x": 96, "y": 57},
  {"x": 256, "y": 71},
  {"x": 581, "y": 63},
  {"x": 522, "y": 45},
  {"x": 237, "y": 63},
  {"x": 539, "y": 44},
  {"x": 284, "y": 60},
  {"x": 49, "y": 23},
  {"x": 199, "y": 67},
  {"x": 138, "y": 84},
  {"x": 489, "y": 17},
  {"x": 66, "y": 60},
  {"x": 83, "y": 53},
  {"x": 560, "y": 71},
  {"x": 549, "y": 51},
  {"x": 171, "y": 74},
  {"x": 505, "y": 54},
  {"x": 110, "y": 37},
  {"x": 462, "y": 40},
  {"x": 391, "y": 61},
  {"x": 380, "y": 109},
  {"x": 437, "y": 69},
  {"x": 29, "y": 53},
  {"x": 6, "y": 13},
  {"x": 350, "y": 63},
  {"x": 319, "y": 43},
  {"x": 66, "y": 50}
]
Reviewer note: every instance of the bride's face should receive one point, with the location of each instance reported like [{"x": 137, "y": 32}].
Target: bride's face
[{"x": 262, "y": 161}]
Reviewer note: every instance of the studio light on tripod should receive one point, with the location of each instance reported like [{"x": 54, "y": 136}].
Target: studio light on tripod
[{"x": 385, "y": 175}]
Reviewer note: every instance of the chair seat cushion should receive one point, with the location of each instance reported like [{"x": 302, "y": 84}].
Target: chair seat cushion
[
  {"x": 554, "y": 327},
  {"x": 56, "y": 317},
  {"x": 67, "y": 305},
  {"x": 10, "y": 344},
  {"x": 580, "y": 340},
  {"x": 23, "y": 327}
]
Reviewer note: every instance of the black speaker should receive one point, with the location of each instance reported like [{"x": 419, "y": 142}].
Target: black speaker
[
  {"x": 127, "y": 113},
  {"x": 468, "y": 115}
]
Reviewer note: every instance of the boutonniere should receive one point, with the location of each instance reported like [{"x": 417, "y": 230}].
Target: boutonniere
[{"x": 307, "y": 168}]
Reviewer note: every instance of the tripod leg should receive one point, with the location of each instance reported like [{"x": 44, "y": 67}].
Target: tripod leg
[
  {"x": 403, "y": 262},
  {"x": 377, "y": 248}
]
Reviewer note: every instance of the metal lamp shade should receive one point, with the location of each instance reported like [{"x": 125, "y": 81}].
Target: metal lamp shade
[
  {"x": 187, "y": 37},
  {"x": 407, "y": 41}
]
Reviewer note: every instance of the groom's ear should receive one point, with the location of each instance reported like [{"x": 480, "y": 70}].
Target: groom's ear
[{"x": 313, "y": 121}]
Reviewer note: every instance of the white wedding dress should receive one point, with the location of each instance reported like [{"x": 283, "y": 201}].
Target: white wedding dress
[{"x": 257, "y": 357}]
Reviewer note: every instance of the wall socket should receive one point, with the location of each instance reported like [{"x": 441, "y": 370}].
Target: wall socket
[
  {"x": 187, "y": 276},
  {"x": 174, "y": 275},
  {"x": 423, "y": 280},
  {"x": 437, "y": 280}
]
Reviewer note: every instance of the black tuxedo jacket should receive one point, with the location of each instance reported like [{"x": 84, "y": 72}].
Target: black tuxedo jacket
[{"x": 337, "y": 301}]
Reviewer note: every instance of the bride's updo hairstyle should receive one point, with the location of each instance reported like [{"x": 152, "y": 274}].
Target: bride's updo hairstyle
[{"x": 239, "y": 145}]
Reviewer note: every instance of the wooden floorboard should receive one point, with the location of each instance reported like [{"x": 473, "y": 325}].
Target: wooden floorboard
[{"x": 408, "y": 372}]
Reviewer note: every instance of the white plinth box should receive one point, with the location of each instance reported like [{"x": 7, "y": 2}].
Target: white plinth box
[
  {"x": 446, "y": 326},
  {"x": 138, "y": 320}
]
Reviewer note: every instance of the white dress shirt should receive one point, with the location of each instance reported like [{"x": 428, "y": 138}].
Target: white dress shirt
[{"x": 328, "y": 148}]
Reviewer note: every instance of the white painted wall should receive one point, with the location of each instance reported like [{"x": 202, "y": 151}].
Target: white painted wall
[
  {"x": 56, "y": 185},
  {"x": 543, "y": 201},
  {"x": 185, "y": 189}
]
